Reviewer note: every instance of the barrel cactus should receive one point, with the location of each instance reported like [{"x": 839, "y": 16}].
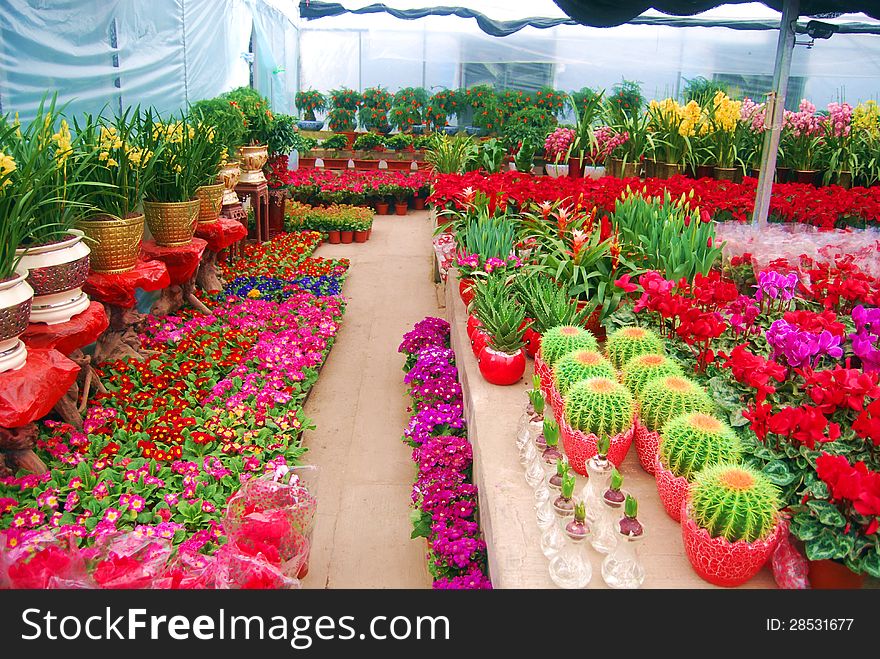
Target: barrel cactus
[
  {"x": 629, "y": 342},
  {"x": 640, "y": 370},
  {"x": 558, "y": 341},
  {"x": 663, "y": 399},
  {"x": 735, "y": 502},
  {"x": 600, "y": 406},
  {"x": 580, "y": 365},
  {"x": 691, "y": 442}
]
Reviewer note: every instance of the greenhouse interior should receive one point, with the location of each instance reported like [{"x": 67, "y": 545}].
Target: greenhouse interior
[{"x": 515, "y": 295}]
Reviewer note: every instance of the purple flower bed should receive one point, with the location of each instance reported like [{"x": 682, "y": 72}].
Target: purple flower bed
[{"x": 444, "y": 499}]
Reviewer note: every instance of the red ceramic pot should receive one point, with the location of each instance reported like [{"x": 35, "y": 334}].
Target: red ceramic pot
[
  {"x": 720, "y": 561},
  {"x": 533, "y": 342},
  {"x": 557, "y": 404},
  {"x": 399, "y": 165},
  {"x": 647, "y": 445},
  {"x": 673, "y": 489},
  {"x": 574, "y": 168},
  {"x": 401, "y": 208},
  {"x": 479, "y": 340},
  {"x": 419, "y": 203},
  {"x": 473, "y": 323},
  {"x": 502, "y": 368},
  {"x": 333, "y": 237},
  {"x": 382, "y": 208},
  {"x": 465, "y": 290},
  {"x": 810, "y": 176},
  {"x": 346, "y": 237},
  {"x": 361, "y": 236},
  {"x": 580, "y": 447},
  {"x": 828, "y": 574}
]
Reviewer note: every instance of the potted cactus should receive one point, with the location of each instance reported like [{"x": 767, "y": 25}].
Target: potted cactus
[
  {"x": 594, "y": 408},
  {"x": 556, "y": 342},
  {"x": 574, "y": 367},
  {"x": 730, "y": 523},
  {"x": 502, "y": 360},
  {"x": 640, "y": 370},
  {"x": 629, "y": 342},
  {"x": 660, "y": 401},
  {"x": 689, "y": 443}
]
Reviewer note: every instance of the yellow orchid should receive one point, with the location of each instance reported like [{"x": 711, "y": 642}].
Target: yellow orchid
[{"x": 7, "y": 166}]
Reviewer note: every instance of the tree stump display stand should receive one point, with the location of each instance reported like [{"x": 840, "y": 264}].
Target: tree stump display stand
[
  {"x": 117, "y": 293},
  {"x": 223, "y": 234},
  {"x": 69, "y": 339},
  {"x": 26, "y": 395},
  {"x": 182, "y": 263}
]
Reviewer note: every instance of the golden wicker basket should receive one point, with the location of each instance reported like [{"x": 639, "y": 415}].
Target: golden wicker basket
[
  {"x": 115, "y": 243},
  {"x": 210, "y": 200},
  {"x": 172, "y": 223}
]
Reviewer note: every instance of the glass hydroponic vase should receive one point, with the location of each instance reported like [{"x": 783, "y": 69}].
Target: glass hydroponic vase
[
  {"x": 622, "y": 567},
  {"x": 605, "y": 531},
  {"x": 570, "y": 567},
  {"x": 599, "y": 469},
  {"x": 553, "y": 538}
]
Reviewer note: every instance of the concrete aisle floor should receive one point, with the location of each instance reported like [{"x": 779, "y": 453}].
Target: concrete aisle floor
[{"x": 362, "y": 533}]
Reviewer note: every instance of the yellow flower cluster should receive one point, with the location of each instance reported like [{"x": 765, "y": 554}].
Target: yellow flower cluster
[
  {"x": 62, "y": 140},
  {"x": 725, "y": 112},
  {"x": 669, "y": 115},
  {"x": 692, "y": 120},
  {"x": 7, "y": 166},
  {"x": 172, "y": 133},
  {"x": 866, "y": 117}
]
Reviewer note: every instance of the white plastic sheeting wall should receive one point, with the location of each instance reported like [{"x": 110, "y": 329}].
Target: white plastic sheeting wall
[{"x": 164, "y": 53}]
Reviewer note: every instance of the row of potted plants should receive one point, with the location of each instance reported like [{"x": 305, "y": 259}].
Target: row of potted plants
[
  {"x": 340, "y": 222},
  {"x": 359, "y": 188},
  {"x": 219, "y": 403},
  {"x": 444, "y": 498}
]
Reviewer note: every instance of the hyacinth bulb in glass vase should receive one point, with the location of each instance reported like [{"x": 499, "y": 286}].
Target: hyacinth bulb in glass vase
[
  {"x": 553, "y": 538},
  {"x": 546, "y": 514},
  {"x": 599, "y": 469},
  {"x": 530, "y": 423},
  {"x": 570, "y": 567},
  {"x": 622, "y": 567},
  {"x": 604, "y": 537}
]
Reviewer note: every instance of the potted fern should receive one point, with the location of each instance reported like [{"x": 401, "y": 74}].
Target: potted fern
[{"x": 502, "y": 360}]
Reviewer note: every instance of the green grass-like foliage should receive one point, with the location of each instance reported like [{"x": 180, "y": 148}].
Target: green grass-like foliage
[
  {"x": 600, "y": 406},
  {"x": 691, "y": 442},
  {"x": 665, "y": 398},
  {"x": 558, "y": 341},
  {"x": 735, "y": 502},
  {"x": 501, "y": 314},
  {"x": 580, "y": 365},
  {"x": 640, "y": 370},
  {"x": 629, "y": 342}
]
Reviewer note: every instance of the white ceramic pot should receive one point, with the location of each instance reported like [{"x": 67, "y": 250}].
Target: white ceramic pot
[
  {"x": 16, "y": 296},
  {"x": 556, "y": 171},
  {"x": 594, "y": 172},
  {"x": 57, "y": 272}
]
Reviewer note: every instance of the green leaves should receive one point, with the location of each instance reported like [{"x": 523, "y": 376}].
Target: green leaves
[{"x": 827, "y": 513}]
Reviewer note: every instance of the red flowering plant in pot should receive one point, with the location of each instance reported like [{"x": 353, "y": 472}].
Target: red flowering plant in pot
[{"x": 502, "y": 359}]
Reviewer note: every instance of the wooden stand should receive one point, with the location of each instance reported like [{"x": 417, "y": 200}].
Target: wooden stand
[{"x": 259, "y": 196}]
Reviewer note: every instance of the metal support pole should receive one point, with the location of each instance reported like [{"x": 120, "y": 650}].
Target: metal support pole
[{"x": 776, "y": 108}]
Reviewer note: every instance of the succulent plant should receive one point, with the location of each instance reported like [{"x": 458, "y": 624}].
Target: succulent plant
[
  {"x": 667, "y": 397},
  {"x": 501, "y": 315},
  {"x": 694, "y": 441},
  {"x": 629, "y": 342},
  {"x": 563, "y": 339},
  {"x": 629, "y": 524},
  {"x": 641, "y": 369},
  {"x": 580, "y": 365},
  {"x": 735, "y": 502},
  {"x": 600, "y": 406}
]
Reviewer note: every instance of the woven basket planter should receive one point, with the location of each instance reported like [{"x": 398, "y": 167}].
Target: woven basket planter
[
  {"x": 115, "y": 243},
  {"x": 173, "y": 223},
  {"x": 210, "y": 201}
]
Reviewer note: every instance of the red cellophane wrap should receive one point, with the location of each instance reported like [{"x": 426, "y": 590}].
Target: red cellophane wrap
[
  {"x": 647, "y": 444},
  {"x": 673, "y": 489},
  {"x": 119, "y": 289},
  {"x": 32, "y": 391},
  {"x": 221, "y": 234},
  {"x": 580, "y": 447},
  {"x": 722, "y": 562},
  {"x": 790, "y": 566},
  {"x": 545, "y": 374},
  {"x": 182, "y": 262},
  {"x": 48, "y": 559},
  {"x": 273, "y": 518},
  {"x": 128, "y": 559},
  {"x": 78, "y": 332}
]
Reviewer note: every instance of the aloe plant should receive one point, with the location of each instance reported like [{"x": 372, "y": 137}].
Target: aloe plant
[
  {"x": 502, "y": 316},
  {"x": 546, "y": 303}
]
